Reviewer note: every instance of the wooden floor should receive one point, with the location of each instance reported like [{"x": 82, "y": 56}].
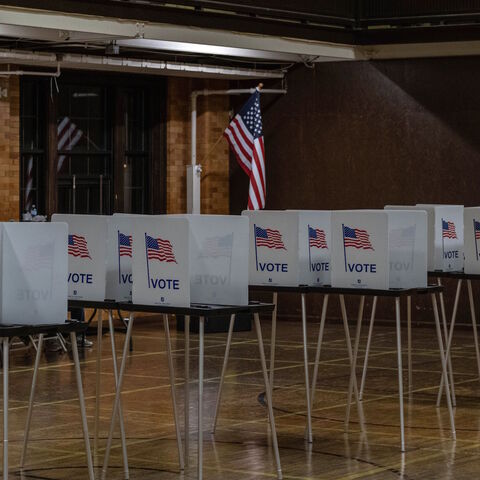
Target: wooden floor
[{"x": 241, "y": 447}]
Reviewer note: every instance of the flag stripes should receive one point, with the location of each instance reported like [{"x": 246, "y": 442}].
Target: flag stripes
[{"x": 77, "y": 246}]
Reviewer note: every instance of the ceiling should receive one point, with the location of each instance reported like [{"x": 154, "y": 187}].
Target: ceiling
[{"x": 233, "y": 38}]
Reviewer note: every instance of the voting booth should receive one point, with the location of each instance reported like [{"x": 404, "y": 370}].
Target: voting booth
[
  {"x": 34, "y": 269},
  {"x": 183, "y": 259},
  {"x": 379, "y": 249},
  {"x": 471, "y": 217},
  {"x": 445, "y": 235},
  {"x": 87, "y": 237},
  {"x": 119, "y": 258},
  {"x": 289, "y": 248}
]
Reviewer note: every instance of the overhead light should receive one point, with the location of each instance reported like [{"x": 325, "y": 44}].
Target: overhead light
[{"x": 205, "y": 49}]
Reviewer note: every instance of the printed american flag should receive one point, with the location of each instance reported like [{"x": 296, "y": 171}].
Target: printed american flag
[
  {"x": 477, "y": 229},
  {"x": 77, "y": 246},
  {"x": 402, "y": 237},
  {"x": 316, "y": 238},
  {"x": 124, "y": 245},
  {"x": 220, "y": 246},
  {"x": 245, "y": 136},
  {"x": 68, "y": 135},
  {"x": 39, "y": 257},
  {"x": 357, "y": 238},
  {"x": 268, "y": 237},
  {"x": 159, "y": 249},
  {"x": 448, "y": 229}
]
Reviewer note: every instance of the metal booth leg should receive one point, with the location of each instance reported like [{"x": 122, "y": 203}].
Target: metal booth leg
[
  {"x": 268, "y": 392},
  {"x": 201, "y": 334},
  {"x": 474, "y": 323},
  {"x": 6, "y": 346},
  {"x": 400, "y": 373},
  {"x": 445, "y": 333},
  {"x": 120, "y": 409},
  {"x": 273, "y": 340},
  {"x": 81, "y": 400},
  {"x": 353, "y": 369},
  {"x": 118, "y": 393},
  {"x": 367, "y": 350},
  {"x": 449, "y": 344},
  {"x": 319, "y": 347},
  {"x": 224, "y": 369},
  {"x": 32, "y": 398},
  {"x": 305, "y": 366},
  {"x": 172, "y": 389},
  {"x": 187, "y": 391},
  {"x": 98, "y": 382},
  {"x": 350, "y": 356},
  {"x": 409, "y": 344},
  {"x": 444, "y": 364}
]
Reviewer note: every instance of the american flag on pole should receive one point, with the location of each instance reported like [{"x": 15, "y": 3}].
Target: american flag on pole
[
  {"x": 124, "y": 245},
  {"x": 356, "y": 238},
  {"x": 448, "y": 229},
  {"x": 268, "y": 237},
  {"x": 477, "y": 229},
  {"x": 159, "y": 249},
  {"x": 77, "y": 246},
  {"x": 219, "y": 246},
  {"x": 316, "y": 238},
  {"x": 245, "y": 136},
  {"x": 68, "y": 135}
]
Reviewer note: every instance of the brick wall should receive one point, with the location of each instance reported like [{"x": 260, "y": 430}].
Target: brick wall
[
  {"x": 9, "y": 148},
  {"x": 212, "y": 149}
]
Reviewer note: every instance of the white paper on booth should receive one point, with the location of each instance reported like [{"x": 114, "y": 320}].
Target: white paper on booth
[
  {"x": 34, "y": 279},
  {"x": 161, "y": 260},
  {"x": 360, "y": 249},
  {"x": 87, "y": 238},
  {"x": 119, "y": 258},
  {"x": 407, "y": 241},
  {"x": 273, "y": 240}
]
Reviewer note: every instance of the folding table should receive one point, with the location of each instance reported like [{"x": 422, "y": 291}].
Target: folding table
[
  {"x": 201, "y": 311},
  {"x": 9, "y": 331}
]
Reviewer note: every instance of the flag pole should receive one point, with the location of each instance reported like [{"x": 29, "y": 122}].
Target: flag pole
[
  {"x": 118, "y": 248},
  {"x": 475, "y": 237},
  {"x": 255, "y": 237},
  {"x": 146, "y": 256},
  {"x": 344, "y": 248},
  {"x": 309, "y": 253},
  {"x": 443, "y": 247}
]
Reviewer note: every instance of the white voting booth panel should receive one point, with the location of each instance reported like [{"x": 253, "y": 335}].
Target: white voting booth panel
[
  {"x": 119, "y": 258},
  {"x": 445, "y": 235},
  {"x": 471, "y": 218},
  {"x": 289, "y": 247},
  {"x": 87, "y": 237},
  {"x": 218, "y": 259},
  {"x": 161, "y": 261},
  {"x": 379, "y": 249},
  {"x": 314, "y": 240},
  {"x": 34, "y": 269},
  {"x": 273, "y": 247}
]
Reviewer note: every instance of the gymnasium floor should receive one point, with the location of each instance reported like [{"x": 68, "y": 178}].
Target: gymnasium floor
[{"x": 240, "y": 449}]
